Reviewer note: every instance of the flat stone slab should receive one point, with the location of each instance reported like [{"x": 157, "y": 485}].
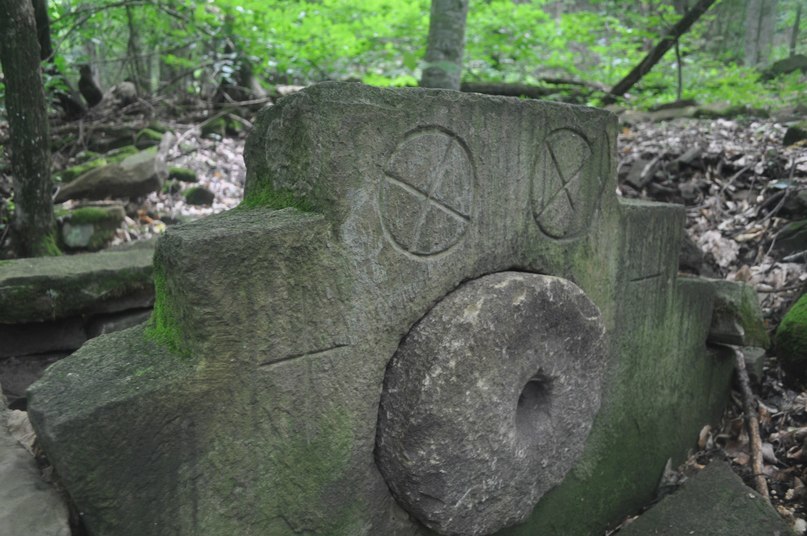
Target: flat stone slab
[
  {"x": 50, "y": 288},
  {"x": 715, "y": 502}
]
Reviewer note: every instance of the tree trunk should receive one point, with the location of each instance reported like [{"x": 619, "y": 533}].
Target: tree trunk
[
  {"x": 658, "y": 51},
  {"x": 794, "y": 33},
  {"x": 33, "y": 224},
  {"x": 443, "y": 65},
  {"x": 760, "y": 23},
  {"x": 43, "y": 29}
]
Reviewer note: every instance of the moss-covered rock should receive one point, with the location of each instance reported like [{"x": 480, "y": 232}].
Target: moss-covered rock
[
  {"x": 90, "y": 227},
  {"x": 791, "y": 341},
  {"x": 737, "y": 316},
  {"x": 182, "y": 174},
  {"x": 795, "y": 133},
  {"x": 73, "y": 172},
  {"x": 199, "y": 195},
  {"x": 148, "y": 138}
]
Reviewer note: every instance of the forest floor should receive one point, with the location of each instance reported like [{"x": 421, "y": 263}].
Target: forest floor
[{"x": 740, "y": 186}]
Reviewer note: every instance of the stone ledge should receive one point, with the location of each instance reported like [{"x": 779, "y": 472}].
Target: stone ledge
[{"x": 43, "y": 289}]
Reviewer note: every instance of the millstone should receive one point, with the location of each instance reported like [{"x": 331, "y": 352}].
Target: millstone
[{"x": 489, "y": 399}]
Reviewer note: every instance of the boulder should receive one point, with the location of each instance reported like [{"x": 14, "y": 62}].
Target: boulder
[{"x": 136, "y": 175}]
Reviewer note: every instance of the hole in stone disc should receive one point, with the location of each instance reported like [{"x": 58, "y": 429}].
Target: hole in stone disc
[{"x": 534, "y": 405}]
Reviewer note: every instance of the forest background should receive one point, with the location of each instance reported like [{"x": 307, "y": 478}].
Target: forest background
[{"x": 176, "y": 47}]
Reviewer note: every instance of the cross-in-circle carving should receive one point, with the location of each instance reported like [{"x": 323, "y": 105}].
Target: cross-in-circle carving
[
  {"x": 565, "y": 185},
  {"x": 426, "y": 192}
]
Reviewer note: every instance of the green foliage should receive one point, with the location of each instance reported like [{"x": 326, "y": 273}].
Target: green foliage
[{"x": 194, "y": 45}]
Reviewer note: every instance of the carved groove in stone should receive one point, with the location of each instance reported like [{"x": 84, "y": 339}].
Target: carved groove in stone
[
  {"x": 426, "y": 194},
  {"x": 567, "y": 183}
]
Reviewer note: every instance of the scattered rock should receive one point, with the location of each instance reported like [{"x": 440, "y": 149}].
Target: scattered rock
[
  {"x": 795, "y": 133},
  {"x": 148, "y": 137},
  {"x": 199, "y": 195},
  {"x": 182, "y": 174},
  {"x": 796, "y": 62},
  {"x": 791, "y": 340},
  {"x": 792, "y": 238},
  {"x": 737, "y": 317},
  {"x": 714, "y": 502},
  {"x": 89, "y": 227},
  {"x": 754, "y": 362},
  {"x": 136, "y": 175},
  {"x": 28, "y": 505}
]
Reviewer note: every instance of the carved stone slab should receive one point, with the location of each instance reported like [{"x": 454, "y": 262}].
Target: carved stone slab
[{"x": 250, "y": 405}]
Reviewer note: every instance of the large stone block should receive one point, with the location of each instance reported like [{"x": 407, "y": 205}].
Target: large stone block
[{"x": 250, "y": 404}]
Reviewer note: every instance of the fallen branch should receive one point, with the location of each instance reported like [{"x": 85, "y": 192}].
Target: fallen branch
[
  {"x": 751, "y": 423},
  {"x": 658, "y": 51}
]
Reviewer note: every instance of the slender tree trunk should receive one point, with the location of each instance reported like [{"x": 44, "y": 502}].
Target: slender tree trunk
[
  {"x": 794, "y": 33},
  {"x": 760, "y": 22},
  {"x": 443, "y": 68},
  {"x": 43, "y": 29},
  {"x": 137, "y": 68},
  {"x": 33, "y": 224},
  {"x": 658, "y": 51}
]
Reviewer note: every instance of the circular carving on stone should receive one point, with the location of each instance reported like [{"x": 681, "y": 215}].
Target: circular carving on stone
[
  {"x": 566, "y": 184},
  {"x": 426, "y": 193},
  {"x": 488, "y": 401}
]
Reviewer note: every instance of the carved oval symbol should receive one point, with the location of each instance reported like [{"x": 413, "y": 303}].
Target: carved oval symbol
[
  {"x": 565, "y": 185},
  {"x": 426, "y": 193}
]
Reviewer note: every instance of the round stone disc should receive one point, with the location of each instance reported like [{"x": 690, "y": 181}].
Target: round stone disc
[{"x": 489, "y": 400}]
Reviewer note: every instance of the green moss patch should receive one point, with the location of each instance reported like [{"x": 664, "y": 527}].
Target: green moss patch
[
  {"x": 276, "y": 199},
  {"x": 163, "y": 328},
  {"x": 791, "y": 341}
]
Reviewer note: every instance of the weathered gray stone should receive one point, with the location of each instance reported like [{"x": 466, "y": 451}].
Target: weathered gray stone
[
  {"x": 489, "y": 399},
  {"x": 39, "y": 337},
  {"x": 49, "y": 288},
  {"x": 136, "y": 175},
  {"x": 28, "y": 505},
  {"x": 715, "y": 502},
  {"x": 18, "y": 373},
  {"x": 250, "y": 403}
]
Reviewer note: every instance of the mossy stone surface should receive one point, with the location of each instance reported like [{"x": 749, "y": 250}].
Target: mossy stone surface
[
  {"x": 791, "y": 341},
  {"x": 182, "y": 174},
  {"x": 89, "y": 228},
  {"x": 281, "y": 323},
  {"x": 50, "y": 288}
]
